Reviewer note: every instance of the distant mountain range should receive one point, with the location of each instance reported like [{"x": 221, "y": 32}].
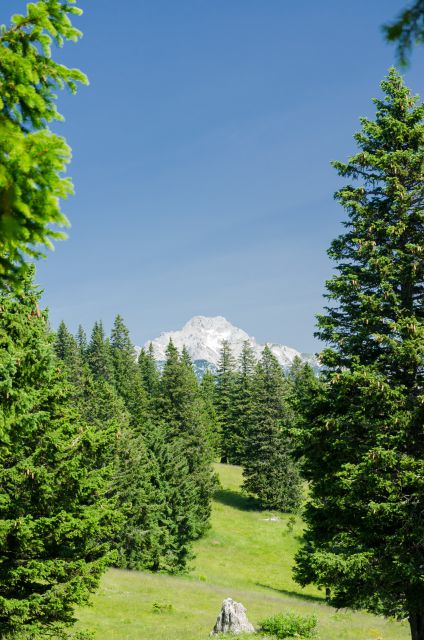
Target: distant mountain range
[{"x": 203, "y": 336}]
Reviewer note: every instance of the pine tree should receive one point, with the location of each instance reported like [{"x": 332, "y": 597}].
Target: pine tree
[
  {"x": 67, "y": 350},
  {"x": 126, "y": 375},
  {"x": 148, "y": 371},
  {"x": 99, "y": 357},
  {"x": 242, "y": 403},
  {"x": 33, "y": 159},
  {"x": 180, "y": 409},
  {"x": 225, "y": 382},
  {"x": 208, "y": 395},
  {"x": 81, "y": 339},
  {"x": 269, "y": 470},
  {"x": 55, "y": 517},
  {"x": 364, "y": 447}
]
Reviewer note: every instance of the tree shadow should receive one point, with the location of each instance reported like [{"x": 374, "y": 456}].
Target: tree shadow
[
  {"x": 293, "y": 594},
  {"x": 237, "y": 500}
]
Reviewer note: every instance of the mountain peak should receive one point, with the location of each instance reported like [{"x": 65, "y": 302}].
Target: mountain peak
[{"x": 203, "y": 336}]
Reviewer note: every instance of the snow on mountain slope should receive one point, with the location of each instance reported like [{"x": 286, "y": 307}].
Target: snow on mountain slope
[{"x": 203, "y": 336}]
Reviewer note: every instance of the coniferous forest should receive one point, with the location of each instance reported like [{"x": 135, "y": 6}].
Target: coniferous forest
[{"x": 134, "y": 482}]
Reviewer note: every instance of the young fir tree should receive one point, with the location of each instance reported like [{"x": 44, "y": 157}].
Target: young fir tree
[
  {"x": 242, "y": 403},
  {"x": 126, "y": 375},
  {"x": 33, "y": 159},
  {"x": 148, "y": 371},
  {"x": 269, "y": 470},
  {"x": 98, "y": 355},
  {"x": 364, "y": 447},
  {"x": 180, "y": 409},
  {"x": 208, "y": 393},
  {"x": 54, "y": 513},
  {"x": 67, "y": 350},
  {"x": 82, "y": 342},
  {"x": 225, "y": 383}
]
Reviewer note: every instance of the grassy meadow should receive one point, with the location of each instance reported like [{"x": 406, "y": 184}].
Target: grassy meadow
[{"x": 246, "y": 556}]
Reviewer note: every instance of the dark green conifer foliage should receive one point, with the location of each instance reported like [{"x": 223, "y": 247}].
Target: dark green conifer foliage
[
  {"x": 82, "y": 342},
  {"x": 364, "y": 447},
  {"x": 304, "y": 384},
  {"x": 180, "y": 409},
  {"x": 54, "y": 513},
  {"x": 242, "y": 403},
  {"x": 269, "y": 471},
  {"x": 67, "y": 350},
  {"x": 148, "y": 371},
  {"x": 126, "y": 375},
  {"x": 225, "y": 387},
  {"x": 99, "y": 355},
  {"x": 208, "y": 395}
]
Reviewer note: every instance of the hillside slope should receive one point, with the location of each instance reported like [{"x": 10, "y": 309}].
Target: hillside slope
[{"x": 245, "y": 556}]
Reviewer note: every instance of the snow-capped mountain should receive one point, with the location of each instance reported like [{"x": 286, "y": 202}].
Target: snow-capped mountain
[{"x": 202, "y": 336}]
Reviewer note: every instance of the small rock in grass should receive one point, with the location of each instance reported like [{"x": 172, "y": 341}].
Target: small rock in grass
[{"x": 232, "y": 619}]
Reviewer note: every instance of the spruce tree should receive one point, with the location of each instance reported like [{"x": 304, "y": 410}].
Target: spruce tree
[
  {"x": 55, "y": 517},
  {"x": 242, "y": 403},
  {"x": 99, "y": 357},
  {"x": 180, "y": 409},
  {"x": 148, "y": 371},
  {"x": 364, "y": 448},
  {"x": 126, "y": 377},
  {"x": 225, "y": 383},
  {"x": 67, "y": 350},
  {"x": 269, "y": 471},
  {"x": 208, "y": 395},
  {"x": 82, "y": 342}
]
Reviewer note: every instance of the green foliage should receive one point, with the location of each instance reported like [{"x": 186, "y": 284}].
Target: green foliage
[
  {"x": 269, "y": 471},
  {"x": 364, "y": 446},
  {"x": 126, "y": 376},
  {"x": 55, "y": 516},
  {"x": 242, "y": 398},
  {"x": 208, "y": 395},
  {"x": 181, "y": 411},
  {"x": 407, "y": 30},
  {"x": 32, "y": 158},
  {"x": 99, "y": 356},
  {"x": 290, "y": 625},
  {"x": 148, "y": 371},
  {"x": 225, "y": 382}
]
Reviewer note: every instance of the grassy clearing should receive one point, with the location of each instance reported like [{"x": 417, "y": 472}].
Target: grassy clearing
[{"x": 245, "y": 556}]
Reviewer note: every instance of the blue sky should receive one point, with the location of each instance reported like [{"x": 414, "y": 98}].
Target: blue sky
[{"x": 201, "y": 159}]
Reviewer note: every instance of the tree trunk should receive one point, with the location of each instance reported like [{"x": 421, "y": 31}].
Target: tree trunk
[{"x": 416, "y": 622}]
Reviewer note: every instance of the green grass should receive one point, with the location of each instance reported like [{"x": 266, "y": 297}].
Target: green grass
[{"x": 245, "y": 556}]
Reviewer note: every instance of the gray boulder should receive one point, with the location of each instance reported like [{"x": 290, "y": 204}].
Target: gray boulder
[{"x": 232, "y": 619}]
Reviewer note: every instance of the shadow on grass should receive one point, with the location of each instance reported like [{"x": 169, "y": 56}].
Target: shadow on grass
[
  {"x": 293, "y": 594},
  {"x": 237, "y": 500}
]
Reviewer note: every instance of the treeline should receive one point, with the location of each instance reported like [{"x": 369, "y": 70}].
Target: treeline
[
  {"x": 171, "y": 427},
  {"x": 161, "y": 447}
]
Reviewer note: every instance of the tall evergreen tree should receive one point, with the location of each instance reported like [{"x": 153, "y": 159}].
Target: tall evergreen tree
[
  {"x": 180, "y": 409},
  {"x": 126, "y": 375},
  {"x": 269, "y": 470},
  {"x": 242, "y": 403},
  {"x": 99, "y": 355},
  {"x": 82, "y": 342},
  {"x": 148, "y": 371},
  {"x": 364, "y": 447},
  {"x": 54, "y": 513},
  {"x": 225, "y": 383},
  {"x": 208, "y": 395}
]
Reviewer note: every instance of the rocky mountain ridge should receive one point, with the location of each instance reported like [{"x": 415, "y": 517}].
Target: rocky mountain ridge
[{"x": 203, "y": 336}]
